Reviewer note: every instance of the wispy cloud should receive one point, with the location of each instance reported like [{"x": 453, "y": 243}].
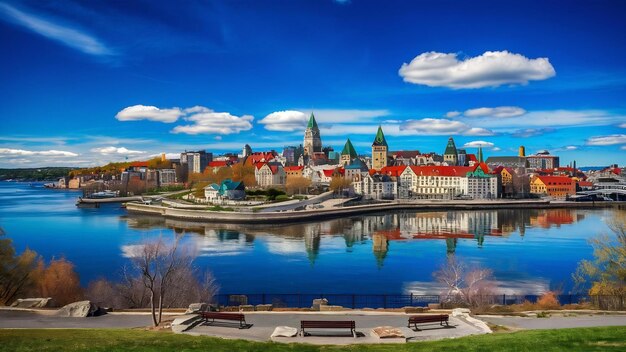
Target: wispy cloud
[
  {"x": 22, "y": 152},
  {"x": 71, "y": 37},
  {"x": 116, "y": 150},
  {"x": 607, "y": 140}
]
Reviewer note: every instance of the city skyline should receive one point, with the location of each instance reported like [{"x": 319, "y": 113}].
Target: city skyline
[{"x": 78, "y": 91}]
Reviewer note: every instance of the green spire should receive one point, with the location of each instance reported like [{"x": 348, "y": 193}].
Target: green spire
[
  {"x": 480, "y": 154},
  {"x": 348, "y": 149},
  {"x": 380, "y": 138},
  {"x": 312, "y": 122},
  {"x": 450, "y": 148}
]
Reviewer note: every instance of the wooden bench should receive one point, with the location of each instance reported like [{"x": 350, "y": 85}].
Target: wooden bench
[
  {"x": 225, "y": 316},
  {"x": 424, "y": 319},
  {"x": 327, "y": 324}
]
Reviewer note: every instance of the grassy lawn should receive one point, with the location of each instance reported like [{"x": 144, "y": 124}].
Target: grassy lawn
[{"x": 582, "y": 339}]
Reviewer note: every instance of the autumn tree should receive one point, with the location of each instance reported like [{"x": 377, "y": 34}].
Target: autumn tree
[
  {"x": 245, "y": 173},
  {"x": 339, "y": 183},
  {"x": 60, "y": 281},
  {"x": 605, "y": 274},
  {"x": 297, "y": 184},
  {"x": 15, "y": 271}
]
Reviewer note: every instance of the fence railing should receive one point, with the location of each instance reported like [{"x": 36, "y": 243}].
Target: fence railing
[{"x": 356, "y": 301}]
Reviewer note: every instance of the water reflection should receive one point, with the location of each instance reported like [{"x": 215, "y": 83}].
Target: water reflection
[{"x": 376, "y": 231}]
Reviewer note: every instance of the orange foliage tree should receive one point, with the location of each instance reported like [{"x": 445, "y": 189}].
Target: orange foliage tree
[
  {"x": 60, "y": 281},
  {"x": 245, "y": 173},
  {"x": 297, "y": 184}
]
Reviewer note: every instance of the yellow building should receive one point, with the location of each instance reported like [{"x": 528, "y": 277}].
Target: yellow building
[{"x": 379, "y": 150}]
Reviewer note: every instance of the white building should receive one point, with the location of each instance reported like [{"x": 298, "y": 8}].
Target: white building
[
  {"x": 375, "y": 186},
  {"x": 432, "y": 182},
  {"x": 480, "y": 185},
  {"x": 269, "y": 174}
]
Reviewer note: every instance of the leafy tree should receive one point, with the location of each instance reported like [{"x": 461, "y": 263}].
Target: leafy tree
[
  {"x": 339, "y": 183},
  {"x": 60, "y": 281},
  {"x": 606, "y": 272},
  {"x": 245, "y": 173}
]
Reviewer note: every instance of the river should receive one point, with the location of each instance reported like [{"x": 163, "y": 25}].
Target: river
[{"x": 529, "y": 251}]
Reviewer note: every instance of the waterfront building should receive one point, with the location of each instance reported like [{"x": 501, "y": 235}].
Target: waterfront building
[
  {"x": 348, "y": 153},
  {"x": 269, "y": 174},
  {"x": 312, "y": 139},
  {"x": 167, "y": 177},
  {"x": 543, "y": 160},
  {"x": 379, "y": 150},
  {"x": 375, "y": 186},
  {"x": 432, "y": 182},
  {"x": 553, "y": 186},
  {"x": 293, "y": 171},
  {"x": 227, "y": 190},
  {"x": 479, "y": 183},
  {"x": 450, "y": 155},
  {"x": 246, "y": 151},
  {"x": 505, "y": 175}
]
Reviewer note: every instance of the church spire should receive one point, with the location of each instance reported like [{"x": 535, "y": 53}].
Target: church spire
[
  {"x": 312, "y": 122},
  {"x": 380, "y": 138}
]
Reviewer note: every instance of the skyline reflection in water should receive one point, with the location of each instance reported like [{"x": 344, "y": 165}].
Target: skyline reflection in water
[{"x": 529, "y": 251}]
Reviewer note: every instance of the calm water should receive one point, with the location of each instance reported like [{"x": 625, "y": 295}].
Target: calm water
[{"x": 529, "y": 251}]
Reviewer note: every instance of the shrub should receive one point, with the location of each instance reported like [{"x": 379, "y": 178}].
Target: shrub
[
  {"x": 548, "y": 300},
  {"x": 282, "y": 198}
]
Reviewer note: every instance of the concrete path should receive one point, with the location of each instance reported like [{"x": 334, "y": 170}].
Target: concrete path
[
  {"x": 26, "y": 319},
  {"x": 263, "y": 324},
  {"x": 556, "y": 321}
]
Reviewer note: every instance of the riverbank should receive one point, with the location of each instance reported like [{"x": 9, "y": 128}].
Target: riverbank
[{"x": 337, "y": 212}]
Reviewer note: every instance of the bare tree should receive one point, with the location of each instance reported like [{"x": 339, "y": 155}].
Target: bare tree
[{"x": 464, "y": 286}]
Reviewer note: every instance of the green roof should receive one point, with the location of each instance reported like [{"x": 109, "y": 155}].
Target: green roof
[
  {"x": 450, "y": 148},
  {"x": 380, "y": 138},
  {"x": 312, "y": 122},
  {"x": 348, "y": 149}
]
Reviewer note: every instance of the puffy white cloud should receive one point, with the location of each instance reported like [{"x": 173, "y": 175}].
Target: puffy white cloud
[
  {"x": 287, "y": 120},
  {"x": 476, "y": 144},
  {"x": 491, "y": 69},
  {"x": 116, "y": 150},
  {"x": 451, "y": 114},
  {"x": 152, "y": 113},
  {"x": 607, "y": 140},
  {"x": 437, "y": 127},
  {"x": 207, "y": 121},
  {"x": 500, "y": 111},
  {"x": 22, "y": 152}
]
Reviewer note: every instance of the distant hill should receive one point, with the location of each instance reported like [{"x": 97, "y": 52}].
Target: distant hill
[{"x": 35, "y": 174}]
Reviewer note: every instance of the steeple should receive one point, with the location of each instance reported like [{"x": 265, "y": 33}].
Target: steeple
[
  {"x": 348, "y": 149},
  {"x": 450, "y": 155},
  {"x": 380, "y": 138},
  {"x": 312, "y": 122},
  {"x": 451, "y": 147},
  {"x": 480, "y": 154}
]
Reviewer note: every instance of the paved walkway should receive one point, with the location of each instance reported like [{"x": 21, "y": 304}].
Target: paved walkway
[{"x": 556, "y": 321}]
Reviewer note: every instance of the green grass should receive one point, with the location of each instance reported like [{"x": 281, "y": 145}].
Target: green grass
[{"x": 581, "y": 339}]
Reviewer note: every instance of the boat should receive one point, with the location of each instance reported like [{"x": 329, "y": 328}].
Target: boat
[{"x": 104, "y": 194}]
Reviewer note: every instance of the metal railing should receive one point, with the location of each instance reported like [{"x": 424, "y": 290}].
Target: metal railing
[{"x": 357, "y": 301}]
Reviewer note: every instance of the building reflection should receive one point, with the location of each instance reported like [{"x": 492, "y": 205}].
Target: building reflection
[{"x": 377, "y": 230}]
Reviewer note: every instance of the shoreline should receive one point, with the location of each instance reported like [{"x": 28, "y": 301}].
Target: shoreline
[{"x": 317, "y": 214}]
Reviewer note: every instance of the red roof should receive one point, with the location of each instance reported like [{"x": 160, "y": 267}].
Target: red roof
[
  {"x": 394, "y": 171},
  {"x": 585, "y": 183},
  {"x": 552, "y": 180},
  {"x": 405, "y": 153},
  {"x": 328, "y": 172},
  {"x": 139, "y": 164},
  {"x": 260, "y": 157},
  {"x": 454, "y": 171},
  {"x": 471, "y": 157},
  {"x": 482, "y": 166},
  {"x": 218, "y": 163},
  {"x": 293, "y": 168}
]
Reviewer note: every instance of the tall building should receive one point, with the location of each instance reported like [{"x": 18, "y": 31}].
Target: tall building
[
  {"x": 450, "y": 155},
  {"x": 196, "y": 162},
  {"x": 522, "y": 151},
  {"x": 379, "y": 150},
  {"x": 312, "y": 138},
  {"x": 348, "y": 153},
  {"x": 246, "y": 151},
  {"x": 543, "y": 160},
  {"x": 480, "y": 154}
]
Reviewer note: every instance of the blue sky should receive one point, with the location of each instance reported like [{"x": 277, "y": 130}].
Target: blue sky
[{"x": 87, "y": 82}]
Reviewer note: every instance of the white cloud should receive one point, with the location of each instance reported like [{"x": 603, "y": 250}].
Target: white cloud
[
  {"x": 622, "y": 125},
  {"x": 438, "y": 127},
  {"x": 451, "y": 114},
  {"x": 209, "y": 122},
  {"x": 287, "y": 120},
  {"x": 116, "y": 150},
  {"x": 491, "y": 69},
  {"x": 607, "y": 140},
  {"x": 500, "y": 111},
  {"x": 152, "y": 113},
  {"x": 476, "y": 144},
  {"x": 22, "y": 152},
  {"x": 70, "y": 37},
  {"x": 571, "y": 147},
  {"x": 496, "y": 149}
]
